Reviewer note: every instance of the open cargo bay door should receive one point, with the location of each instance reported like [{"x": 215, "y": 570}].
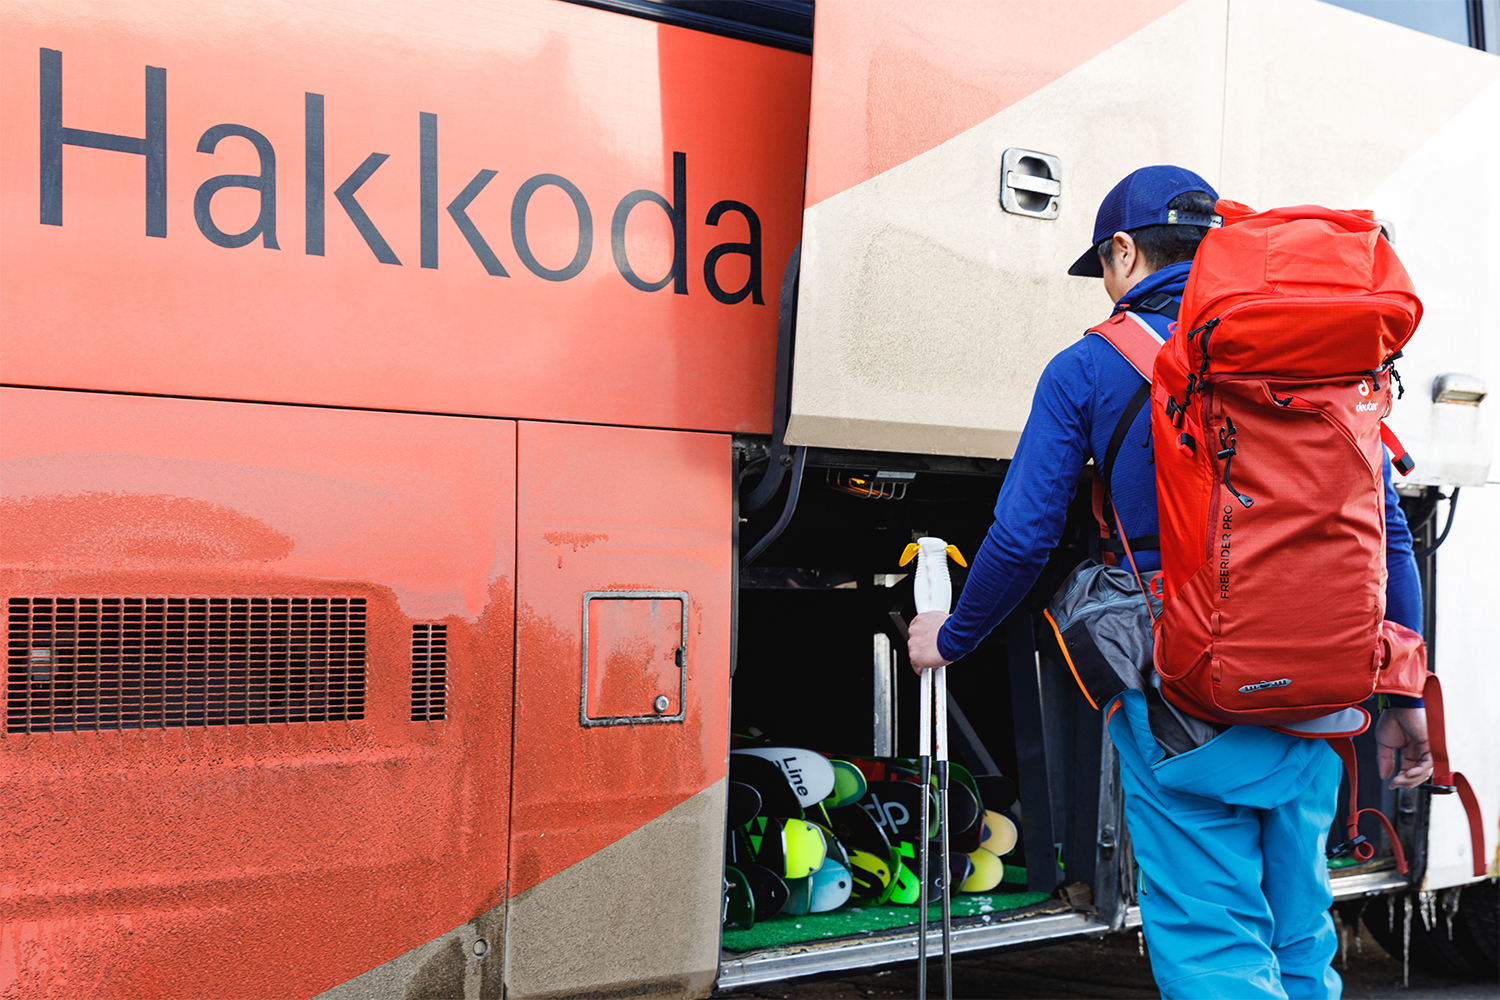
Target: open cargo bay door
[{"x": 957, "y": 153}]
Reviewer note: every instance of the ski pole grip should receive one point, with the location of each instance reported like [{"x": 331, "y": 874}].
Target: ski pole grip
[{"x": 932, "y": 587}]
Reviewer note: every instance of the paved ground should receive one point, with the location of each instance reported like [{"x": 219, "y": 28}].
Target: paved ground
[{"x": 1103, "y": 968}]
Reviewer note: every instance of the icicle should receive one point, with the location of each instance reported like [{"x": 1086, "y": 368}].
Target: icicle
[
  {"x": 1425, "y": 907},
  {"x": 1390, "y": 915},
  {"x": 1359, "y": 944},
  {"x": 1406, "y": 944},
  {"x": 1340, "y": 929},
  {"x": 1140, "y": 942},
  {"x": 1450, "y": 907}
]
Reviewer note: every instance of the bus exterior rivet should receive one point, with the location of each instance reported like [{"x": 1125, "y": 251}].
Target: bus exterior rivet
[{"x": 661, "y": 704}]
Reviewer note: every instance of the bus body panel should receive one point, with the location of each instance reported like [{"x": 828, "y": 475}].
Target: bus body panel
[
  {"x": 616, "y": 830},
  {"x": 639, "y": 917},
  {"x": 175, "y": 849},
  {"x": 319, "y": 167},
  {"x": 418, "y": 141},
  {"x": 612, "y": 514},
  {"x": 927, "y": 312},
  {"x": 915, "y": 277},
  {"x": 902, "y": 79}
]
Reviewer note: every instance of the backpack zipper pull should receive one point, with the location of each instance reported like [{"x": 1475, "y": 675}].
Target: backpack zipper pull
[{"x": 1226, "y": 455}]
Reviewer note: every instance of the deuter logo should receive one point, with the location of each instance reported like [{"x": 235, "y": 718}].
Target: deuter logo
[
  {"x": 1249, "y": 688},
  {"x": 1369, "y": 405}
]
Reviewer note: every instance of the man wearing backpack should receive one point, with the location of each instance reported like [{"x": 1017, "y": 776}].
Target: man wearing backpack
[{"x": 1228, "y": 823}]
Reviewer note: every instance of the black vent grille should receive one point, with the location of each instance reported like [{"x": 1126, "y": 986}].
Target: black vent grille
[
  {"x": 91, "y": 663},
  {"x": 429, "y": 672}
]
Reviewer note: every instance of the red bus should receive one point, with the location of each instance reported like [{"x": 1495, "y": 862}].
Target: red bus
[{"x": 415, "y": 430}]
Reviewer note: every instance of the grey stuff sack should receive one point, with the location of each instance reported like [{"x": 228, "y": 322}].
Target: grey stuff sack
[{"x": 1103, "y": 627}]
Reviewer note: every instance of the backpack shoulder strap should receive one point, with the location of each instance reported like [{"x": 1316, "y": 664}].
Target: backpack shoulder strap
[
  {"x": 1134, "y": 338},
  {"x": 1138, "y": 344}
]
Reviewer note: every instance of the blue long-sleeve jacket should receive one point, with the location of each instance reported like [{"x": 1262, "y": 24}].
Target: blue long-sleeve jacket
[{"x": 1079, "y": 399}]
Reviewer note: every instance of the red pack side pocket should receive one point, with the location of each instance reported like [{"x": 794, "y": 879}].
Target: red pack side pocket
[{"x": 1402, "y": 661}]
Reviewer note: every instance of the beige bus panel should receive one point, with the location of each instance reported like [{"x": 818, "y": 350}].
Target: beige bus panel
[
  {"x": 926, "y": 312},
  {"x": 1327, "y": 106}
]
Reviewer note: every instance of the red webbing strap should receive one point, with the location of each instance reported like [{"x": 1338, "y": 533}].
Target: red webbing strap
[
  {"x": 1402, "y": 461},
  {"x": 1476, "y": 822},
  {"x": 1361, "y": 848},
  {"x": 1442, "y": 774},
  {"x": 1437, "y": 734},
  {"x": 1099, "y": 498},
  {"x": 1136, "y": 570}
]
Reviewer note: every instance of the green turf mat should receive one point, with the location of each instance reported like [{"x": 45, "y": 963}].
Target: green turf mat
[{"x": 784, "y": 930}]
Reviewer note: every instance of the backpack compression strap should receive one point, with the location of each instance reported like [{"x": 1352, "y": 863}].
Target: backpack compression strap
[
  {"x": 1444, "y": 779},
  {"x": 1356, "y": 845}
]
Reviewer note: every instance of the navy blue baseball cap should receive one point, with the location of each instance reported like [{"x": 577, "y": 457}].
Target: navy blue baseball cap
[{"x": 1141, "y": 200}]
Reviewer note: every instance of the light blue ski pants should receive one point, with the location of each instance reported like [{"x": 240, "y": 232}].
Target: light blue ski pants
[{"x": 1229, "y": 839}]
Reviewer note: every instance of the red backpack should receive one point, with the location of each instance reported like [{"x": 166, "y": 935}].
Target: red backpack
[{"x": 1267, "y": 409}]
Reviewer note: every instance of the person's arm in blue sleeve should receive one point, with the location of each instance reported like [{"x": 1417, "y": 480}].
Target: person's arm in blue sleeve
[
  {"x": 1403, "y": 590},
  {"x": 1032, "y": 506}
]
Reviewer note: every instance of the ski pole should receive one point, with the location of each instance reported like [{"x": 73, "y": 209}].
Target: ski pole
[
  {"x": 940, "y": 753},
  {"x": 924, "y": 864},
  {"x": 933, "y": 591}
]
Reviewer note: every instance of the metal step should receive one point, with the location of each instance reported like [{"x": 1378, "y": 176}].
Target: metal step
[{"x": 813, "y": 958}]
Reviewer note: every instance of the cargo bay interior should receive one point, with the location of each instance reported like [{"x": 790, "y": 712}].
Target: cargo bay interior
[
  {"x": 813, "y": 601},
  {"x": 816, "y": 601}
]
